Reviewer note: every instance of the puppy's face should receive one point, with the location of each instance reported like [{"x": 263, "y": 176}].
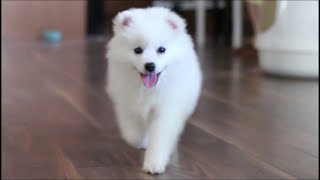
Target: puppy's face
[{"x": 149, "y": 39}]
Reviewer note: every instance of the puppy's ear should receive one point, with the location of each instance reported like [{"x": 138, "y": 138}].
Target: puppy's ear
[
  {"x": 176, "y": 22},
  {"x": 121, "y": 21}
]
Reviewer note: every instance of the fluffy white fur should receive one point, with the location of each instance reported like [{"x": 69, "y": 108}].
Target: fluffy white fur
[{"x": 152, "y": 118}]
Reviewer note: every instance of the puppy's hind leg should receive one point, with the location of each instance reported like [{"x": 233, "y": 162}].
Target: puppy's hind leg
[{"x": 131, "y": 128}]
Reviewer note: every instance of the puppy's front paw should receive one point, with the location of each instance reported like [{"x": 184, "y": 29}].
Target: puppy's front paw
[{"x": 153, "y": 166}]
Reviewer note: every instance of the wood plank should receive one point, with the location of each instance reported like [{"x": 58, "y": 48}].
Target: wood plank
[{"x": 58, "y": 122}]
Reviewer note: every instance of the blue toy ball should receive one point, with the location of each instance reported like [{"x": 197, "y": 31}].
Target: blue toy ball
[{"x": 52, "y": 36}]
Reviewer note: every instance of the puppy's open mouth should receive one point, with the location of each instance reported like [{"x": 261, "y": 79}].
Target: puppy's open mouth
[{"x": 150, "y": 79}]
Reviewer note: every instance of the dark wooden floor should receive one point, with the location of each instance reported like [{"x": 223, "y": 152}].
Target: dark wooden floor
[{"x": 57, "y": 121}]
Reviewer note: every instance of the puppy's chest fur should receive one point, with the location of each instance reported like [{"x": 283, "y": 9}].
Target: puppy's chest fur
[{"x": 145, "y": 103}]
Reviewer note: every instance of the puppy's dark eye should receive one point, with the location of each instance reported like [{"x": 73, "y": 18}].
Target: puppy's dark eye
[
  {"x": 138, "y": 50},
  {"x": 161, "y": 50}
]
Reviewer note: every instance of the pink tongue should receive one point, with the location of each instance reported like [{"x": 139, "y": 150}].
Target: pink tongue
[{"x": 150, "y": 80}]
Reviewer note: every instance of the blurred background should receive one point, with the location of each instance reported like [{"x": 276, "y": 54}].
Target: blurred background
[
  {"x": 82, "y": 19},
  {"x": 237, "y": 25},
  {"x": 258, "y": 113}
]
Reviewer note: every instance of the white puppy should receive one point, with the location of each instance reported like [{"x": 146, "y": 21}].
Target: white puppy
[{"x": 154, "y": 80}]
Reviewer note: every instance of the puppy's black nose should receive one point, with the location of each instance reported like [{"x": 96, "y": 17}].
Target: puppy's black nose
[{"x": 150, "y": 67}]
